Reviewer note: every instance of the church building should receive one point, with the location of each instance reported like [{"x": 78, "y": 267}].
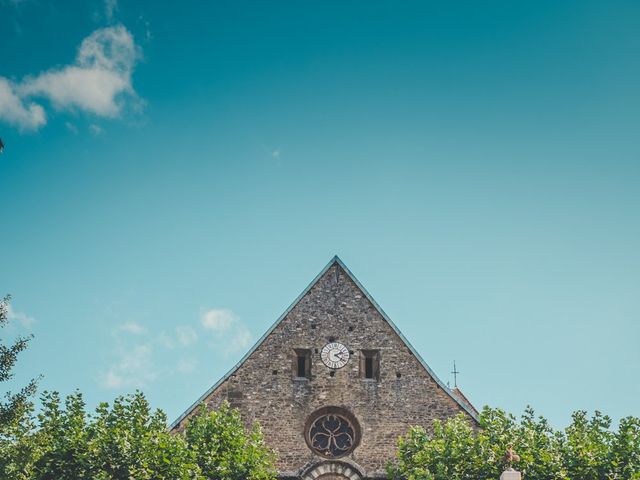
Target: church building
[{"x": 334, "y": 383}]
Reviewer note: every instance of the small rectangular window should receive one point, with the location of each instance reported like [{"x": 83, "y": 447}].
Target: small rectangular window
[
  {"x": 370, "y": 364},
  {"x": 302, "y": 366},
  {"x": 368, "y": 367},
  {"x": 302, "y": 363}
]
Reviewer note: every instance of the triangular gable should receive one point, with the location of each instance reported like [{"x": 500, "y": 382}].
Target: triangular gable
[{"x": 335, "y": 260}]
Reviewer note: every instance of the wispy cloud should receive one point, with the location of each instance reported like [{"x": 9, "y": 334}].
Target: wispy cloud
[
  {"x": 132, "y": 327},
  {"x": 99, "y": 82},
  {"x": 241, "y": 340},
  {"x": 15, "y": 111},
  {"x": 166, "y": 341},
  {"x": 275, "y": 152},
  {"x": 148, "y": 36},
  {"x": 110, "y": 8},
  {"x": 133, "y": 364},
  {"x": 218, "y": 319},
  {"x": 186, "y": 335},
  {"x": 182, "y": 336},
  {"x": 186, "y": 365},
  {"x": 231, "y": 335},
  {"x": 95, "y": 129},
  {"x": 134, "y": 368},
  {"x": 101, "y": 73},
  {"x": 141, "y": 356},
  {"x": 71, "y": 127},
  {"x": 22, "y": 318}
]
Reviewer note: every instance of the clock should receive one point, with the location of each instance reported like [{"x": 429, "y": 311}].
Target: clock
[{"x": 334, "y": 355}]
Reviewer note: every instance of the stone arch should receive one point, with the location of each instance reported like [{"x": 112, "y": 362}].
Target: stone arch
[{"x": 331, "y": 470}]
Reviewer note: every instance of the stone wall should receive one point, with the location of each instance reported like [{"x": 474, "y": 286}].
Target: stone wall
[{"x": 265, "y": 389}]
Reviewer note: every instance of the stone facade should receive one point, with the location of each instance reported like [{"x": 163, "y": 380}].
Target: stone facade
[{"x": 265, "y": 388}]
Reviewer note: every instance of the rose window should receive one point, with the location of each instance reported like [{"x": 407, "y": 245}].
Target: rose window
[{"x": 332, "y": 432}]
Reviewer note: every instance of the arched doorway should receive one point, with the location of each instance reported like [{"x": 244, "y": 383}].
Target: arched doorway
[{"x": 331, "y": 471}]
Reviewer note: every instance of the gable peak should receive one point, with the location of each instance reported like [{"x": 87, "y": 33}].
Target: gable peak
[{"x": 335, "y": 261}]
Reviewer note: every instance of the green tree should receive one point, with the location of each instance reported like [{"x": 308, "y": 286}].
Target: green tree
[
  {"x": 539, "y": 447},
  {"x": 127, "y": 440},
  {"x": 586, "y": 450},
  {"x": 625, "y": 450},
  {"x": 451, "y": 453},
  {"x": 61, "y": 441},
  {"x": 18, "y": 450},
  {"x": 224, "y": 450},
  {"x": 15, "y": 404}
]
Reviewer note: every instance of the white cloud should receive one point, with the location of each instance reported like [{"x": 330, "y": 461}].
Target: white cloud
[
  {"x": 241, "y": 340},
  {"x": 134, "y": 364},
  {"x": 102, "y": 73},
  {"x": 186, "y": 365},
  {"x": 166, "y": 341},
  {"x": 98, "y": 82},
  {"x": 218, "y": 319},
  {"x": 141, "y": 356},
  {"x": 132, "y": 327},
  {"x": 230, "y": 334},
  {"x": 183, "y": 337},
  {"x": 134, "y": 368},
  {"x": 25, "y": 116},
  {"x": 112, "y": 380},
  {"x": 186, "y": 335},
  {"x": 22, "y": 318},
  {"x": 88, "y": 89}
]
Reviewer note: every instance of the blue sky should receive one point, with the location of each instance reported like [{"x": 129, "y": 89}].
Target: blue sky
[{"x": 175, "y": 175}]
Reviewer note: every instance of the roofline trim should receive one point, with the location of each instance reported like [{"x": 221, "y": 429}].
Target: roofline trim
[
  {"x": 433, "y": 375},
  {"x": 334, "y": 260},
  {"x": 255, "y": 345}
]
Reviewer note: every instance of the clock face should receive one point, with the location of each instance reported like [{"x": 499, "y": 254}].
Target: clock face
[{"x": 334, "y": 355}]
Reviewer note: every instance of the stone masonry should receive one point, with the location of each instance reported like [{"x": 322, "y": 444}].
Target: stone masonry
[{"x": 265, "y": 389}]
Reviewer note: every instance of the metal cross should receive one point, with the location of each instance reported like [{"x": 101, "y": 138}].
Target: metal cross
[{"x": 455, "y": 375}]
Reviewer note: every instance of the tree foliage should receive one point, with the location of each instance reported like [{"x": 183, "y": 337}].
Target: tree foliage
[
  {"x": 586, "y": 450},
  {"x": 126, "y": 441},
  {"x": 224, "y": 451},
  {"x": 14, "y": 404}
]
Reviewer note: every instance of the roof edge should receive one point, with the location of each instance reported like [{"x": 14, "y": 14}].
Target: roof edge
[
  {"x": 334, "y": 260},
  {"x": 193, "y": 406},
  {"x": 433, "y": 375}
]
